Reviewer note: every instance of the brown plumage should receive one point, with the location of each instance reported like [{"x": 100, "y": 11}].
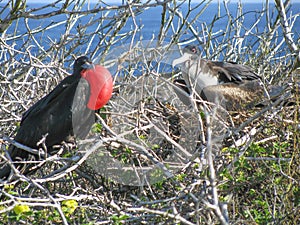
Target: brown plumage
[{"x": 229, "y": 84}]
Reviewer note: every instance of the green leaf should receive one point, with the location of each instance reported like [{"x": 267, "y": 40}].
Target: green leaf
[
  {"x": 69, "y": 206},
  {"x": 20, "y": 209}
]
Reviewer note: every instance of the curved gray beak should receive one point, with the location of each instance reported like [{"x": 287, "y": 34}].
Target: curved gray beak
[
  {"x": 181, "y": 59},
  {"x": 88, "y": 65}
]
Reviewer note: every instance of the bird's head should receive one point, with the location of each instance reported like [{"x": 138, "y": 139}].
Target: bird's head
[
  {"x": 190, "y": 52},
  {"x": 82, "y": 63}
]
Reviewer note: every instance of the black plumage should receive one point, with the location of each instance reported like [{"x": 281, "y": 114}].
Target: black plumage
[{"x": 59, "y": 116}]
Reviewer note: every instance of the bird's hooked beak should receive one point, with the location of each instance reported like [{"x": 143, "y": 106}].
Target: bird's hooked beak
[
  {"x": 181, "y": 59},
  {"x": 88, "y": 65}
]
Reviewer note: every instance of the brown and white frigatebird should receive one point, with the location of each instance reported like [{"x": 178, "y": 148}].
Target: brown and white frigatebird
[{"x": 230, "y": 84}]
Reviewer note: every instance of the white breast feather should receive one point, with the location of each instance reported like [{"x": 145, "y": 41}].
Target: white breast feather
[{"x": 200, "y": 80}]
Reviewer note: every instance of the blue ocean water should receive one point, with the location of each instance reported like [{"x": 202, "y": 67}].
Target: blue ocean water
[{"x": 149, "y": 22}]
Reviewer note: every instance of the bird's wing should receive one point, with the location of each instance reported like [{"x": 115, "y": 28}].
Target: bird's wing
[
  {"x": 232, "y": 72},
  {"x": 60, "y": 114},
  {"x": 46, "y": 100}
]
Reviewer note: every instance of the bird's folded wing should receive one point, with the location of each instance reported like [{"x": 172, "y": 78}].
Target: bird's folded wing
[
  {"x": 232, "y": 72},
  {"x": 52, "y": 96}
]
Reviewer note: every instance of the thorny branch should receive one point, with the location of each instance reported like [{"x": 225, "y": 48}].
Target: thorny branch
[{"x": 144, "y": 126}]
